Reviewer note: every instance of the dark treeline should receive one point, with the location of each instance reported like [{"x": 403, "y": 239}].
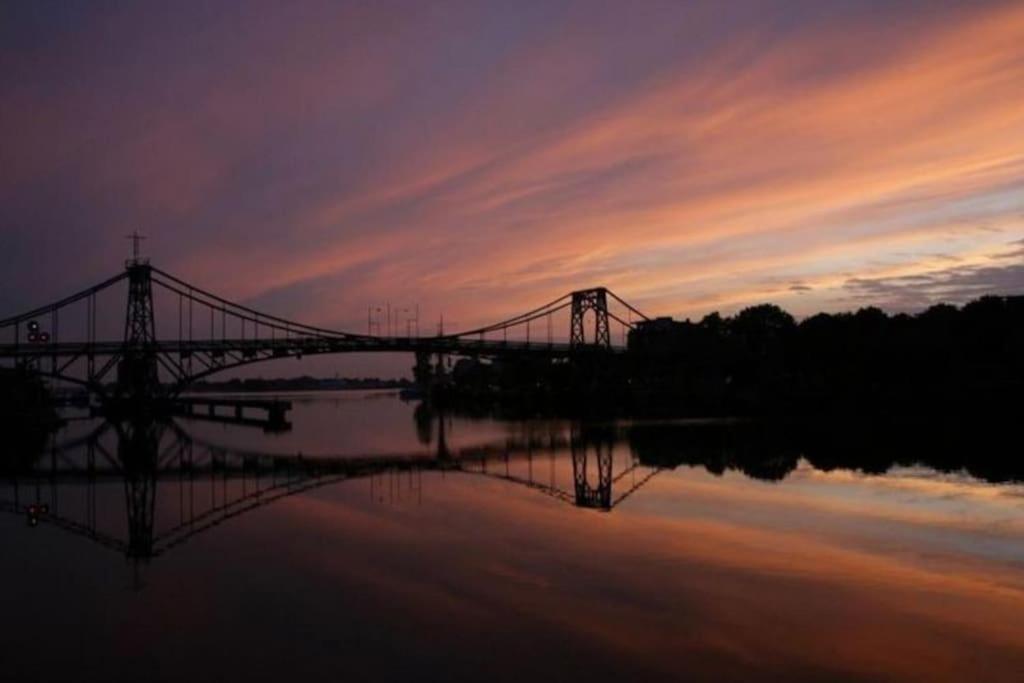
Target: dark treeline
[
  {"x": 27, "y": 412},
  {"x": 763, "y": 362}
]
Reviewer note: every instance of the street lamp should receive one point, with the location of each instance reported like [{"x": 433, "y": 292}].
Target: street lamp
[{"x": 373, "y": 319}]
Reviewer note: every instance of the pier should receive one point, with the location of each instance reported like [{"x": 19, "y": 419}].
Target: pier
[{"x": 272, "y": 412}]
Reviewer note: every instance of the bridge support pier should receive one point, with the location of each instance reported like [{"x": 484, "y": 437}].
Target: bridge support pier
[
  {"x": 202, "y": 408},
  {"x": 428, "y": 372},
  {"x": 276, "y": 418}
]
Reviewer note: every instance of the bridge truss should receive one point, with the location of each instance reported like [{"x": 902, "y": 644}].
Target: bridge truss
[{"x": 200, "y": 334}]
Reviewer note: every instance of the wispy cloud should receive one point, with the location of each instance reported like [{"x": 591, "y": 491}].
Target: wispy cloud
[
  {"x": 314, "y": 159},
  {"x": 955, "y": 284}
]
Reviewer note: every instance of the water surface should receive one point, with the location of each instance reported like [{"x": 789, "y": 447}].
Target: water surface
[{"x": 377, "y": 541}]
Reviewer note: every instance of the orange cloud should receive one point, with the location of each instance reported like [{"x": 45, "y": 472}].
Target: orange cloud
[
  {"x": 755, "y": 172},
  {"x": 336, "y": 173}
]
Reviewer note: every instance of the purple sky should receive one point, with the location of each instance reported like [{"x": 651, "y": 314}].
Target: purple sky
[{"x": 312, "y": 159}]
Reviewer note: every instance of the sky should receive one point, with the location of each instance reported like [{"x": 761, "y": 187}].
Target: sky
[{"x": 481, "y": 158}]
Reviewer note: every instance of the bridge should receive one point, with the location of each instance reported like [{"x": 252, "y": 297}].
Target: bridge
[{"x": 202, "y": 334}]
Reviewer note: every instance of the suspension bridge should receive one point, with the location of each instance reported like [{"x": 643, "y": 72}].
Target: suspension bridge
[{"x": 201, "y": 333}]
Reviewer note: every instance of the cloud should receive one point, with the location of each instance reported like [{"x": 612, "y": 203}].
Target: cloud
[
  {"x": 957, "y": 284},
  {"x": 321, "y": 159}
]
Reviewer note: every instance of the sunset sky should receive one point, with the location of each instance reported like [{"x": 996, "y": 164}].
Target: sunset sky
[{"x": 480, "y": 158}]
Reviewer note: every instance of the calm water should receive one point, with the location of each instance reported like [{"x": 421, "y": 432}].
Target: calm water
[{"x": 377, "y": 542}]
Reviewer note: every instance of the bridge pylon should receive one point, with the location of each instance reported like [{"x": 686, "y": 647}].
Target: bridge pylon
[
  {"x": 137, "y": 375},
  {"x": 595, "y": 300}
]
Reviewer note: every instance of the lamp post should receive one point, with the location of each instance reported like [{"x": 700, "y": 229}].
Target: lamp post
[
  {"x": 410, "y": 319},
  {"x": 373, "y": 319}
]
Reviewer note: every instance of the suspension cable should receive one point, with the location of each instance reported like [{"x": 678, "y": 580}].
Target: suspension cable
[
  {"x": 254, "y": 315},
  {"x": 535, "y": 314},
  {"x": 627, "y": 305},
  {"x": 36, "y": 312}
]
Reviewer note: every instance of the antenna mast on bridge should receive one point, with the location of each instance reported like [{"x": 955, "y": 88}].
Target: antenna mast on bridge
[{"x": 136, "y": 239}]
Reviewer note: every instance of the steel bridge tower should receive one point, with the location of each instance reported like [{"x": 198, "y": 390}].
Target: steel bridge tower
[
  {"x": 137, "y": 375},
  {"x": 595, "y": 300}
]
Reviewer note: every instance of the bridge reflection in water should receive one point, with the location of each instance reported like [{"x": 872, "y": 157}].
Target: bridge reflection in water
[{"x": 204, "y": 485}]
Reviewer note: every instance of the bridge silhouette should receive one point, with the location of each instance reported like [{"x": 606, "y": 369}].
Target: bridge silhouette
[
  {"x": 233, "y": 482},
  {"x": 210, "y": 334}
]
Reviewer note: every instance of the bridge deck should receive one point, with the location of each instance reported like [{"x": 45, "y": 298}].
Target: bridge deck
[{"x": 300, "y": 345}]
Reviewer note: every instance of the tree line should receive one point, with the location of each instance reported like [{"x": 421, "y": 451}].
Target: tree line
[{"x": 762, "y": 360}]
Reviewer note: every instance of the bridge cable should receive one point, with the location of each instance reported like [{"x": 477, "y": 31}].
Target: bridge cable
[
  {"x": 627, "y": 305},
  {"x": 283, "y": 323},
  {"x": 36, "y": 312}
]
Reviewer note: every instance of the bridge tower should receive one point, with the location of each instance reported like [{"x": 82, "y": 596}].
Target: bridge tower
[
  {"x": 137, "y": 376},
  {"x": 595, "y": 300}
]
